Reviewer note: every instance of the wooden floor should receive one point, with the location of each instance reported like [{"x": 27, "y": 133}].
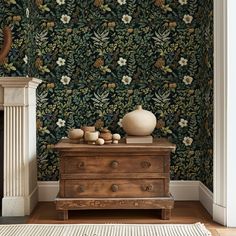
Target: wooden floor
[{"x": 183, "y": 213}]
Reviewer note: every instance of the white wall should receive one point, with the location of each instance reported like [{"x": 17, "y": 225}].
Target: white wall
[
  {"x": 231, "y": 113},
  {"x": 220, "y": 112},
  {"x": 224, "y": 207}
]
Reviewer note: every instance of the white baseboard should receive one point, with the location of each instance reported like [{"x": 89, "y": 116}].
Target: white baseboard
[
  {"x": 180, "y": 189},
  {"x": 206, "y": 197},
  {"x": 20, "y": 205},
  {"x": 31, "y": 201},
  {"x": 13, "y": 206},
  {"x": 219, "y": 214},
  {"x": 185, "y": 190},
  {"x": 48, "y": 190}
]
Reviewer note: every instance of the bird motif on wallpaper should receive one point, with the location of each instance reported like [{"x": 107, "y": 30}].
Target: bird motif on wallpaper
[{"x": 7, "y": 41}]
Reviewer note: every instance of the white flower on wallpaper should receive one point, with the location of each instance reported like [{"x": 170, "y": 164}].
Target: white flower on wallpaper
[
  {"x": 126, "y": 19},
  {"x": 187, "y": 19},
  {"x": 60, "y": 123},
  {"x": 65, "y": 79},
  {"x": 122, "y": 61},
  {"x": 60, "y": 2},
  {"x": 187, "y": 79},
  {"x": 65, "y": 19},
  {"x": 120, "y": 122},
  {"x": 121, "y": 2},
  {"x": 105, "y": 69},
  {"x": 183, "y": 61},
  {"x": 183, "y": 123},
  {"x": 166, "y": 8},
  {"x": 27, "y": 13},
  {"x": 183, "y": 2},
  {"x": 126, "y": 79},
  {"x": 61, "y": 61},
  {"x": 25, "y": 59},
  {"x": 187, "y": 141}
]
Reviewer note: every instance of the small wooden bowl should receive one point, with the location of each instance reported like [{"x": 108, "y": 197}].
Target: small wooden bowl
[
  {"x": 88, "y": 128},
  {"x": 75, "y": 135}
]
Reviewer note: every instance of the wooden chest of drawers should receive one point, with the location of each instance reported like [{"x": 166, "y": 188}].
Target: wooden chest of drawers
[{"x": 114, "y": 176}]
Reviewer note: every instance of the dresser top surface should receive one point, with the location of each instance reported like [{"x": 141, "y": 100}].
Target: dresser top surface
[{"x": 157, "y": 145}]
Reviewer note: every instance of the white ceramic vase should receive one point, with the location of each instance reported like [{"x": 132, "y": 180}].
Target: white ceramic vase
[
  {"x": 91, "y": 137},
  {"x": 139, "y": 122}
]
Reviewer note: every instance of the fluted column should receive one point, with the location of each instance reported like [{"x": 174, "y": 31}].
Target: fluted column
[{"x": 20, "y": 170}]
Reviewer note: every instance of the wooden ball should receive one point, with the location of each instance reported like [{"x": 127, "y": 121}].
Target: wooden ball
[
  {"x": 100, "y": 141},
  {"x": 116, "y": 137}
]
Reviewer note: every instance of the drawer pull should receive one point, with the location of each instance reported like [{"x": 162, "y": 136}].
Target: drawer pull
[
  {"x": 114, "y": 164},
  {"x": 146, "y": 164},
  {"x": 81, "y": 165},
  {"x": 81, "y": 189},
  {"x": 114, "y": 187},
  {"x": 147, "y": 188}
]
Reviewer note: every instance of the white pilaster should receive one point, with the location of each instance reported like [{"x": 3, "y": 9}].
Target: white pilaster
[
  {"x": 20, "y": 167},
  {"x": 220, "y": 111},
  {"x": 231, "y": 113},
  {"x": 224, "y": 207}
]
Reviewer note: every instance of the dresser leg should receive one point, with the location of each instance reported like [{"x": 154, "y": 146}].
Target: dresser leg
[
  {"x": 63, "y": 215},
  {"x": 165, "y": 214}
]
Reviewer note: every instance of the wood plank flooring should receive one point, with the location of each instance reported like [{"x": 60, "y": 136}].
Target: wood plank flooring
[{"x": 183, "y": 213}]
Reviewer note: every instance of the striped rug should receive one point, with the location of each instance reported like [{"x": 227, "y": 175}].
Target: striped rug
[{"x": 197, "y": 229}]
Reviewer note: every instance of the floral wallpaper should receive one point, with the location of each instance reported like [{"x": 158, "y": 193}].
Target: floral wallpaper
[{"x": 98, "y": 59}]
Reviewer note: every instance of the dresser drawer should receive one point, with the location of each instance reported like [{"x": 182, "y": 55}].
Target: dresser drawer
[
  {"x": 121, "y": 164},
  {"x": 115, "y": 188}
]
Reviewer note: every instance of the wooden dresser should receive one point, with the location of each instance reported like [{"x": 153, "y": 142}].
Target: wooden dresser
[{"x": 114, "y": 176}]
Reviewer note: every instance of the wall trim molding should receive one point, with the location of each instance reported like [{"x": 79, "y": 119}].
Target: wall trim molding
[
  {"x": 185, "y": 190},
  {"x": 220, "y": 214},
  {"x": 230, "y": 173},
  {"x": 31, "y": 201},
  {"x": 181, "y": 190},
  {"x": 220, "y": 108},
  {"x": 206, "y": 198},
  {"x": 48, "y": 190}
]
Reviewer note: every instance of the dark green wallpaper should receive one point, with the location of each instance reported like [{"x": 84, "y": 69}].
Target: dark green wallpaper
[{"x": 100, "y": 58}]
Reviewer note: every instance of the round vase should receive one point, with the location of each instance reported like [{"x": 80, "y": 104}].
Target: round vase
[{"x": 139, "y": 122}]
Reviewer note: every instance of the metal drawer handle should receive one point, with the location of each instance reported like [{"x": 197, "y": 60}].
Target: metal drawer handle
[
  {"x": 114, "y": 164},
  {"x": 114, "y": 187},
  {"x": 147, "y": 187},
  {"x": 81, "y": 165},
  {"x": 81, "y": 189},
  {"x": 146, "y": 164}
]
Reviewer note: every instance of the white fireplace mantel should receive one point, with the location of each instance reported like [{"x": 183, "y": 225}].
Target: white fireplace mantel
[{"x": 18, "y": 100}]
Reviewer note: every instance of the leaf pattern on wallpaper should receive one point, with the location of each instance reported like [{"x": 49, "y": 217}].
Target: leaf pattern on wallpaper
[{"x": 100, "y": 58}]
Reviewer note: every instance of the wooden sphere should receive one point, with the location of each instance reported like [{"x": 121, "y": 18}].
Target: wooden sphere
[
  {"x": 100, "y": 141},
  {"x": 116, "y": 137}
]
